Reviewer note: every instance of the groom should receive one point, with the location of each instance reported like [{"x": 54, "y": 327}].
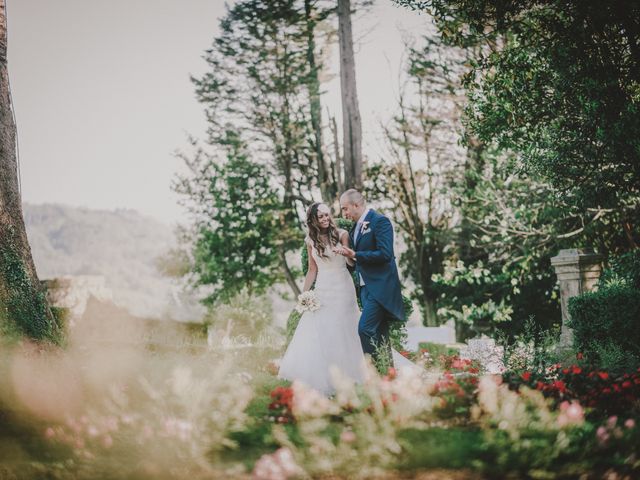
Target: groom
[{"x": 376, "y": 271}]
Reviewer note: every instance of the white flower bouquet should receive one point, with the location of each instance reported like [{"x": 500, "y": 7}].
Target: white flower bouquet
[{"x": 307, "y": 302}]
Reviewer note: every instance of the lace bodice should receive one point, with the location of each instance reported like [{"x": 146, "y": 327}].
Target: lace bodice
[{"x": 331, "y": 260}]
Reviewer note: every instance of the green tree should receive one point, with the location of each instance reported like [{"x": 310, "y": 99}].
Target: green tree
[
  {"x": 558, "y": 83},
  {"x": 237, "y": 235},
  {"x": 422, "y": 164},
  {"x": 264, "y": 83}
]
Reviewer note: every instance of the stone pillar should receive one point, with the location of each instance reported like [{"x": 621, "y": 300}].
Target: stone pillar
[{"x": 578, "y": 271}]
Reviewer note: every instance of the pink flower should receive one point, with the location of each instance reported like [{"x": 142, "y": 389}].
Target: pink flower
[
  {"x": 630, "y": 423},
  {"x": 612, "y": 421},
  {"x": 348, "y": 436},
  {"x": 602, "y": 434},
  {"x": 50, "y": 432},
  {"x": 107, "y": 441},
  {"x": 571, "y": 414}
]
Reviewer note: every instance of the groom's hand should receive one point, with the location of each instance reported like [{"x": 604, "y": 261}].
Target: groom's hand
[{"x": 347, "y": 252}]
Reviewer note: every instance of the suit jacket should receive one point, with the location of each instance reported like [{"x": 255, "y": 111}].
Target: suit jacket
[{"x": 376, "y": 262}]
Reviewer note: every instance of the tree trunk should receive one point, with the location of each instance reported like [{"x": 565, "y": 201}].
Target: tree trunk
[
  {"x": 23, "y": 304},
  {"x": 327, "y": 189},
  {"x": 337, "y": 166},
  {"x": 429, "y": 316},
  {"x": 288, "y": 274},
  {"x": 351, "y": 124}
]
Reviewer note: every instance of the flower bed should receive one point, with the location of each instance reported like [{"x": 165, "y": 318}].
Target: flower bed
[{"x": 603, "y": 392}]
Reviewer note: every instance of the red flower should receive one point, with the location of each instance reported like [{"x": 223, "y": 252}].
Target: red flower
[
  {"x": 405, "y": 354},
  {"x": 576, "y": 370},
  {"x": 540, "y": 385},
  {"x": 526, "y": 376},
  {"x": 560, "y": 386},
  {"x": 579, "y": 356},
  {"x": 603, "y": 375}
]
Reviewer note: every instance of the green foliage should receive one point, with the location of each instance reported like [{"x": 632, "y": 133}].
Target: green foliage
[
  {"x": 498, "y": 271},
  {"x": 623, "y": 269},
  {"x": 437, "y": 351},
  {"x": 383, "y": 358},
  {"x": 259, "y": 82},
  {"x": 606, "y": 324},
  {"x": 292, "y": 324},
  {"x": 261, "y": 87},
  {"x": 614, "y": 358},
  {"x": 556, "y": 82},
  {"x": 439, "y": 447},
  {"x": 532, "y": 350},
  {"x": 26, "y": 306},
  {"x": 421, "y": 165},
  {"x": 238, "y": 234}
]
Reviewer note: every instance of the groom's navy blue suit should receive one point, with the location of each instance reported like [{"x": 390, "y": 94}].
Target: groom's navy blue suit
[{"x": 380, "y": 295}]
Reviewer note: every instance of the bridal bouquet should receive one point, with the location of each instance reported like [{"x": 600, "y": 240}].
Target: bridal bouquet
[{"x": 307, "y": 302}]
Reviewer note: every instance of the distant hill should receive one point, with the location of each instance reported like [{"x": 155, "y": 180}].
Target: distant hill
[{"x": 120, "y": 245}]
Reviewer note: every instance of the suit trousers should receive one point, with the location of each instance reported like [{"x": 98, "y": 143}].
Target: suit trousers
[{"x": 374, "y": 326}]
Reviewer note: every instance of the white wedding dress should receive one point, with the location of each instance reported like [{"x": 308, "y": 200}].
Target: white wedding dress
[{"x": 327, "y": 337}]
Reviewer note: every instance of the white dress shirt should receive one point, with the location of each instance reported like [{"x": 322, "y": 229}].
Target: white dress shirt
[{"x": 356, "y": 234}]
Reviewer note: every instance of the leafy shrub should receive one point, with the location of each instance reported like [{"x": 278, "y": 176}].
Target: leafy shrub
[
  {"x": 606, "y": 318},
  {"x": 624, "y": 268}
]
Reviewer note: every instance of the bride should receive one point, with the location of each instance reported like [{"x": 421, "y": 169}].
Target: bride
[{"x": 327, "y": 337}]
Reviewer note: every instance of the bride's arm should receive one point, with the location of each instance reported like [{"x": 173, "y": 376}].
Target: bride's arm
[
  {"x": 312, "y": 272},
  {"x": 344, "y": 240}
]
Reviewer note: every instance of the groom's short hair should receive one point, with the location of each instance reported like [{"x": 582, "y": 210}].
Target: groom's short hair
[{"x": 354, "y": 196}]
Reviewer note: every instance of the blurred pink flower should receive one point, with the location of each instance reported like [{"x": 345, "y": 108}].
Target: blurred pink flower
[
  {"x": 279, "y": 465},
  {"x": 630, "y": 423},
  {"x": 348, "y": 436},
  {"x": 571, "y": 413},
  {"x": 602, "y": 434}
]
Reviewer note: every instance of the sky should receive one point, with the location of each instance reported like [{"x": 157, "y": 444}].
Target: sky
[{"x": 103, "y": 97}]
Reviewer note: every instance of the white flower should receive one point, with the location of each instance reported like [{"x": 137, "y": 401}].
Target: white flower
[
  {"x": 279, "y": 465},
  {"x": 307, "y": 302}
]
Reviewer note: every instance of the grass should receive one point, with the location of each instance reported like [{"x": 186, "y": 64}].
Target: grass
[{"x": 448, "y": 448}]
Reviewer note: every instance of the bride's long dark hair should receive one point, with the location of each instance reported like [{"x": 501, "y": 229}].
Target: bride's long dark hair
[{"x": 314, "y": 230}]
